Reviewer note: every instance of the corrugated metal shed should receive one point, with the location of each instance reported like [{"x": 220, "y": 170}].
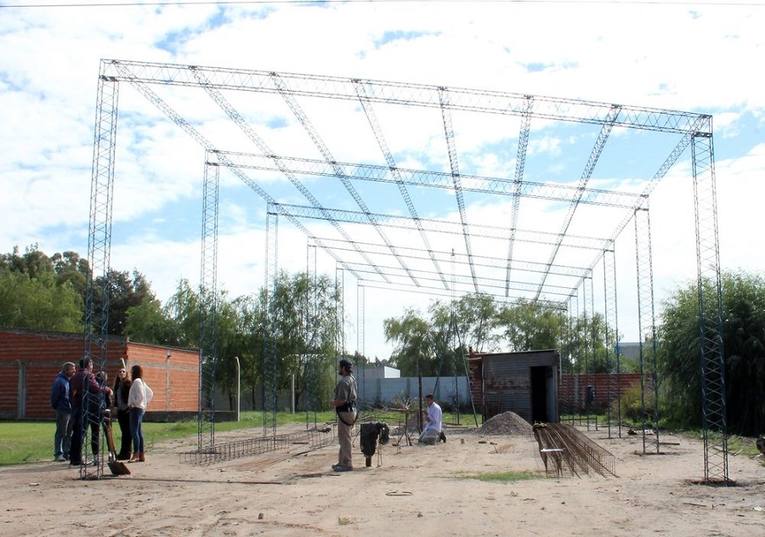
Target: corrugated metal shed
[{"x": 523, "y": 382}]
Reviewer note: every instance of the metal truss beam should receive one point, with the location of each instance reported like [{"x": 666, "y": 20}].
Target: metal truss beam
[
  {"x": 451, "y": 146},
  {"x": 430, "y": 179},
  {"x": 447, "y": 227},
  {"x": 711, "y": 357},
  {"x": 301, "y": 116},
  {"x": 597, "y": 150},
  {"x": 374, "y": 124},
  {"x": 208, "y": 288},
  {"x": 440, "y": 292},
  {"x": 234, "y": 115},
  {"x": 520, "y": 166},
  {"x": 180, "y": 121},
  {"x": 398, "y": 93},
  {"x": 488, "y": 261},
  {"x": 483, "y": 281}
]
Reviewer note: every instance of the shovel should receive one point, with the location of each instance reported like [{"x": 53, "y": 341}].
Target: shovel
[{"x": 117, "y": 467}]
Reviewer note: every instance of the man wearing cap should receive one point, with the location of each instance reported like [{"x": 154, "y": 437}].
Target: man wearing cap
[{"x": 345, "y": 406}]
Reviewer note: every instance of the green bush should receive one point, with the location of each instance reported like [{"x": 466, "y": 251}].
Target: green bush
[{"x": 630, "y": 403}]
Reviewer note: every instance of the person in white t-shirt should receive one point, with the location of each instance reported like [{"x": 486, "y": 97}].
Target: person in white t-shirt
[
  {"x": 432, "y": 432},
  {"x": 138, "y": 399}
]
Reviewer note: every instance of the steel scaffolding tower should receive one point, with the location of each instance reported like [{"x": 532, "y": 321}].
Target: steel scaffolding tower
[
  {"x": 710, "y": 308},
  {"x": 208, "y": 318},
  {"x": 611, "y": 318},
  {"x": 693, "y": 129},
  {"x": 96, "y": 325},
  {"x": 270, "y": 357},
  {"x": 646, "y": 323}
]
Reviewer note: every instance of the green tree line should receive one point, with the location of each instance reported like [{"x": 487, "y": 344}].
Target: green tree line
[{"x": 44, "y": 292}]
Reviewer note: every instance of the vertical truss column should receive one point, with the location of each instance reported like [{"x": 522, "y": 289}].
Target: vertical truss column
[
  {"x": 340, "y": 310},
  {"x": 96, "y": 323},
  {"x": 711, "y": 357},
  {"x": 312, "y": 359},
  {"x": 208, "y": 320},
  {"x": 520, "y": 166},
  {"x": 360, "y": 313},
  {"x": 646, "y": 321},
  {"x": 270, "y": 357},
  {"x": 575, "y": 359},
  {"x": 586, "y": 311},
  {"x": 612, "y": 342},
  {"x": 446, "y": 115}
]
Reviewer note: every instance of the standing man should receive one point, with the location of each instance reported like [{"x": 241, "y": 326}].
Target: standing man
[
  {"x": 432, "y": 432},
  {"x": 59, "y": 400},
  {"x": 83, "y": 384},
  {"x": 345, "y": 406}
]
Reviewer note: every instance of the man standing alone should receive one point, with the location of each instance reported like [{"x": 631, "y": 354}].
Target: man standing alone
[
  {"x": 345, "y": 406},
  {"x": 59, "y": 400}
]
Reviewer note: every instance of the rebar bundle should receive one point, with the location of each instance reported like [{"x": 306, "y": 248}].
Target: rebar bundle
[
  {"x": 561, "y": 444},
  {"x": 311, "y": 439}
]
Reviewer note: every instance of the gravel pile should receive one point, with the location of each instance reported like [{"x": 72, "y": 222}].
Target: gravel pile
[{"x": 506, "y": 423}]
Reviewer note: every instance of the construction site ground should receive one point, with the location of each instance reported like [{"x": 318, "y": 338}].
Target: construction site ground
[{"x": 417, "y": 491}]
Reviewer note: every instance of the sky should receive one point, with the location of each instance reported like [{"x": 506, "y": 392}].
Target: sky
[{"x": 697, "y": 58}]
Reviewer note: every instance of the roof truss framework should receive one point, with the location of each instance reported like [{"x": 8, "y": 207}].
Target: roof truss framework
[{"x": 452, "y": 105}]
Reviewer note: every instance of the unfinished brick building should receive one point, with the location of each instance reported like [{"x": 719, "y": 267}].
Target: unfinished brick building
[{"x": 29, "y": 361}]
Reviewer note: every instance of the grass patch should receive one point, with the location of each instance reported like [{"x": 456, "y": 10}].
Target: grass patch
[
  {"x": 742, "y": 445},
  {"x": 503, "y": 477},
  {"x": 32, "y": 441}
]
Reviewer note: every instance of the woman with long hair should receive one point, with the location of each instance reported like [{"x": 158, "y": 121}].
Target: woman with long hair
[
  {"x": 121, "y": 392},
  {"x": 139, "y": 397}
]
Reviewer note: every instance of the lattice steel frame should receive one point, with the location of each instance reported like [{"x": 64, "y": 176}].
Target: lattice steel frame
[
  {"x": 208, "y": 319},
  {"x": 695, "y": 130},
  {"x": 611, "y": 318},
  {"x": 270, "y": 357},
  {"x": 646, "y": 323}
]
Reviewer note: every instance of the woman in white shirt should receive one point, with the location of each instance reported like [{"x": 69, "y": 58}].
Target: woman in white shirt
[{"x": 138, "y": 399}]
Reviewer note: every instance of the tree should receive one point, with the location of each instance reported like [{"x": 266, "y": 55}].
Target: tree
[
  {"x": 38, "y": 303},
  {"x": 743, "y": 331},
  {"x": 529, "y": 326},
  {"x": 414, "y": 350}
]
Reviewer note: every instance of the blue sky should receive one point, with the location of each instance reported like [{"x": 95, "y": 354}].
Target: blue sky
[{"x": 700, "y": 60}]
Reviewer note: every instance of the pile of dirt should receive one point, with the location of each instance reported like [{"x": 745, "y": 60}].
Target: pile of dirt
[{"x": 506, "y": 423}]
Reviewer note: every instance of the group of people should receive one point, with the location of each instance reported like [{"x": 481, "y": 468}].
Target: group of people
[
  {"x": 345, "y": 398},
  {"x": 81, "y": 399}
]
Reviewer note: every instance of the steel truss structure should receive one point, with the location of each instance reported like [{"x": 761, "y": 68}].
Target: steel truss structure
[{"x": 359, "y": 256}]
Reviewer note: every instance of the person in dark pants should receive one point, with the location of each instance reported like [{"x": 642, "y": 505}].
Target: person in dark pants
[
  {"x": 62, "y": 404},
  {"x": 83, "y": 387},
  {"x": 121, "y": 393}
]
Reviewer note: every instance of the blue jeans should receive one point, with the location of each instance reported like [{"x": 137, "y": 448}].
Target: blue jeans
[
  {"x": 136, "y": 419},
  {"x": 63, "y": 436}
]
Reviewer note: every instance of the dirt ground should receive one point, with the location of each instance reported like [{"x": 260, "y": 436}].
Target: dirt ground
[{"x": 417, "y": 491}]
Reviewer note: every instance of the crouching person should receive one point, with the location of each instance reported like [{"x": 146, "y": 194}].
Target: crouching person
[{"x": 431, "y": 432}]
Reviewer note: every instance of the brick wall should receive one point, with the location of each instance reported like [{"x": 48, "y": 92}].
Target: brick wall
[
  {"x": 172, "y": 374},
  {"x": 37, "y": 358},
  {"x": 29, "y": 361},
  {"x": 573, "y": 388}
]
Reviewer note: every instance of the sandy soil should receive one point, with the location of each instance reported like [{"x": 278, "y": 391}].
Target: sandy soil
[{"x": 417, "y": 491}]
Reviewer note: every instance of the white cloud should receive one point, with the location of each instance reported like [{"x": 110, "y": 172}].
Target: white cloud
[{"x": 48, "y": 74}]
